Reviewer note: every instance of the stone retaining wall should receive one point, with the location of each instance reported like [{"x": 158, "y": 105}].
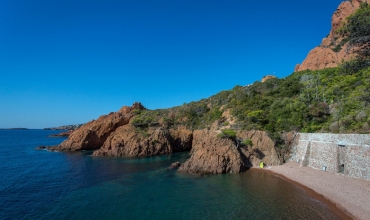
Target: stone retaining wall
[{"x": 348, "y": 154}]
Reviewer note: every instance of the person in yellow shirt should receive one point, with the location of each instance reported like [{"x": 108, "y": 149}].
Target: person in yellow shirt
[{"x": 261, "y": 165}]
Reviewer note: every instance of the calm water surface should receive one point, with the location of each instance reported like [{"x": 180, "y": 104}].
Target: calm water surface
[{"x": 50, "y": 185}]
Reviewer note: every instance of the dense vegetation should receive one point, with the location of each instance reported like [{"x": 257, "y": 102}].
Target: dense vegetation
[
  {"x": 308, "y": 101},
  {"x": 330, "y": 100},
  {"x": 356, "y": 29}
]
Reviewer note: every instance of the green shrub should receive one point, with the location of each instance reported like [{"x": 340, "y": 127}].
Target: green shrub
[
  {"x": 247, "y": 142},
  {"x": 227, "y": 133},
  {"x": 136, "y": 112}
]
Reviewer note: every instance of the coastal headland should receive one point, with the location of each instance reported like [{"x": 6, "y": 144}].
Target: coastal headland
[{"x": 311, "y": 127}]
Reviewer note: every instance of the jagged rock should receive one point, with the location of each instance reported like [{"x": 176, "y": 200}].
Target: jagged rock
[
  {"x": 263, "y": 148},
  {"x": 213, "y": 155},
  {"x": 175, "y": 165},
  {"x": 92, "y": 135},
  {"x": 130, "y": 141},
  {"x": 41, "y": 148},
  {"x": 324, "y": 56}
]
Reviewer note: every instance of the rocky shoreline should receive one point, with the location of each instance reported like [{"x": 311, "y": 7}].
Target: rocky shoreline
[
  {"x": 62, "y": 134},
  {"x": 115, "y": 135}
]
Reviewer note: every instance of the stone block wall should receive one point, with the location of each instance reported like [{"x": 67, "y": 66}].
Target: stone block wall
[
  {"x": 337, "y": 153},
  {"x": 324, "y": 155},
  {"x": 358, "y": 161}
]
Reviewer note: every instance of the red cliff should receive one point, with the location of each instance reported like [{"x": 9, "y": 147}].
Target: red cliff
[{"x": 333, "y": 49}]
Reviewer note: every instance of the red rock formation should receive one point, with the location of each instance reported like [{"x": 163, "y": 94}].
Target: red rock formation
[
  {"x": 92, "y": 135},
  {"x": 113, "y": 135},
  {"x": 212, "y": 155},
  {"x": 265, "y": 78},
  {"x": 181, "y": 139},
  {"x": 129, "y": 141},
  {"x": 263, "y": 148},
  {"x": 296, "y": 68},
  {"x": 324, "y": 56}
]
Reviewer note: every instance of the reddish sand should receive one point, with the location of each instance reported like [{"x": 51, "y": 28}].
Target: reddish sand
[{"x": 349, "y": 194}]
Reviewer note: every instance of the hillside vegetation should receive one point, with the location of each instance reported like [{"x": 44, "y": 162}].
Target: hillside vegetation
[
  {"x": 308, "y": 101},
  {"x": 330, "y": 100}
]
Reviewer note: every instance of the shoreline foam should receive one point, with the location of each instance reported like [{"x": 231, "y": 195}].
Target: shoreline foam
[{"x": 347, "y": 197}]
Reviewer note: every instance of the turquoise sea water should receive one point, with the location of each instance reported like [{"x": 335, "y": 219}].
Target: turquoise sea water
[{"x": 52, "y": 185}]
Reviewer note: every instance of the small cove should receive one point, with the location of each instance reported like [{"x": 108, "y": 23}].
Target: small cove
[{"x": 51, "y": 185}]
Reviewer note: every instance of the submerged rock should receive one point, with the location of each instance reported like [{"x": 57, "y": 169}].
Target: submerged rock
[
  {"x": 62, "y": 134},
  {"x": 175, "y": 165},
  {"x": 41, "y": 148}
]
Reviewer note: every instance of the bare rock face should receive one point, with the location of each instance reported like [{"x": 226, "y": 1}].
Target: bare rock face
[
  {"x": 332, "y": 50},
  {"x": 129, "y": 141},
  {"x": 265, "y": 78},
  {"x": 181, "y": 139},
  {"x": 212, "y": 155},
  {"x": 92, "y": 135},
  {"x": 263, "y": 148},
  {"x": 296, "y": 68}
]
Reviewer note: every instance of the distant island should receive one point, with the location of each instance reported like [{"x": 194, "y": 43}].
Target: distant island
[
  {"x": 14, "y": 128},
  {"x": 65, "y": 127}
]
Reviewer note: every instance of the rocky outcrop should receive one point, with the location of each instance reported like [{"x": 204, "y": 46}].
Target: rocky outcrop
[
  {"x": 262, "y": 149},
  {"x": 181, "y": 139},
  {"x": 42, "y": 147},
  {"x": 296, "y": 68},
  {"x": 131, "y": 141},
  {"x": 115, "y": 135},
  {"x": 62, "y": 134},
  {"x": 92, "y": 135},
  {"x": 333, "y": 49},
  {"x": 175, "y": 165},
  {"x": 265, "y": 78},
  {"x": 213, "y": 155}
]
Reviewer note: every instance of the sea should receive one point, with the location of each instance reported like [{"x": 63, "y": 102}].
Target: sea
[{"x": 39, "y": 184}]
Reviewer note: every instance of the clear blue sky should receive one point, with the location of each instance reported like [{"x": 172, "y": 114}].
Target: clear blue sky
[{"x": 70, "y": 61}]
